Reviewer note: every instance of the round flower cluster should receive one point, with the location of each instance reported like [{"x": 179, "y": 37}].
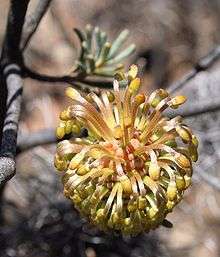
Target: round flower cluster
[{"x": 134, "y": 165}]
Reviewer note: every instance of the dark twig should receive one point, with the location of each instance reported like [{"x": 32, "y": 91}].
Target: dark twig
[
  {"x": 99, "y": 81},
  {"x": 11, "y": 88},
  {"x": 74, "y": 79},
  {"x": 32, "y": 21},
  {"x": 205, "y": 63}
]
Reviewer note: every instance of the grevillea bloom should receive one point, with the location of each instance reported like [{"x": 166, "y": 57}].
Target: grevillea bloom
[{"x": 134, "y": 165}]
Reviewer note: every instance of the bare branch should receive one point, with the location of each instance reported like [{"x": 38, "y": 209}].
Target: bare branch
[
  {"x": 11, "y": 88},
  {"x": 41, "y": 137},
  {"x": 197, "y": 108},
  {"x": 9, "y": 136},
  {"x": 205, "y": 63},
  {"x": 206, "y": 175},
  {"x": 99, "y": 81},
  {"x": 75, "y": 79},
  {"x": 32, "y": 21}
]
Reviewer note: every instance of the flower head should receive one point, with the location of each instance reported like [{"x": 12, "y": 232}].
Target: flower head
[{"x": 135, "y": 163}]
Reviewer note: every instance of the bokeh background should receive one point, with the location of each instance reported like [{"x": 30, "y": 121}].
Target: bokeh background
[{"x": 170, "y": 35}]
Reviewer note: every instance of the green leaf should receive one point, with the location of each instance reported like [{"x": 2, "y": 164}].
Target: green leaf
[
  {"x": 89, "y": 30},
  {"x": 118, "y": 42},
  {"x": 98, "y": 40},
  {"x": 128, "y": 51},
  {"x": 90, "y": 63},
  {"x": 107, "y": 71},
  {"x": 103, "y": 54},
  {"x": 103, "y": 38}
]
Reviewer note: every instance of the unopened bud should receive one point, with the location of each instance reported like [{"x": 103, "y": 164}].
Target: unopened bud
[
  {"x": 139, "y": 99},
  {"x": 111, "y": 96},
  {"x": 142, "y": 203},
  {"x": 188, "y": 181},
  {"x": 177, "y": 101},
  {"x": 180, "y": 183},
  {"x": 76, "y": 129},
  {"x": 59, "y": 163},
  {"x": 134, "y": 85},
  {"x": 154, "y": 171},
  {"x": 171, "y": 191},
  {"x": 170, "y": 205},
  {"x": 152, "y": 212},
  {"x": 132, "y": 73},
  {"x": 126, "y": 185},
  {"x": 184, "y": 134},
  {"x": 183, "y": 161},
  {"x": 64, "y": 115},
  {"x": 60, "y": 132}
]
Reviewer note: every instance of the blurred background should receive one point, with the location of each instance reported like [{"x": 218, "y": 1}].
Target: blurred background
[{"x": 170, "y": 36}]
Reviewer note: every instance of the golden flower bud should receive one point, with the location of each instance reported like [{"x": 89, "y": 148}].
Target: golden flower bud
[
  {"x": 60, "y": 132},
  {"x": 183, "y": 161},
  {"x": 64, "y": 115},
  {"x": 154, "y": 171},
  {"x": 132, "y": 73},
  {"x": 171, "y": 191},
  {"x": 60, "y": 164},
  {"x": 177, "y": 101},
  {"x": 134, "y": 85},
  {"x": 180, "y": 183},
  {"x": 111, "y": 96},
  {"x": 184, "y": 134},
  {"x": 68, "y": 126},
  {"x": 140, "y": 98}
]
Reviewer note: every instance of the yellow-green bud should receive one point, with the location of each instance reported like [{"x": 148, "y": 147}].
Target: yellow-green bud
[
  {"x": 188, "y": 181},
  {"x": 111, "y": 96},
  {"x": 177, "y": 101},
  {"x": 180, "y": 183},
  {"x": 184, "y": 134},
  {"x": 154, "y": 171},
  {"x": 171, "y": 191},
  {"x": 60, "y": 132},
  {"x": 60, "y": 164},
  {"x": 134, "y": 85},
  {"x": 183, "y": 161},
  {"x": 76, "y": 129},
  {"x": 133, "y": 71},
  {"x": 139, "y": 99},
  {"x": 142, "y": 203}
]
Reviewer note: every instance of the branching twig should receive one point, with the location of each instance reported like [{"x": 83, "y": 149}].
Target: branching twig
[
  {"x": 100, "y": 81},
  {"x": 74, "y": 79},
  {"x": 205, "y": 63},
  {"x": 32, "y": 21},
  {"x": 11, "y": 81}
]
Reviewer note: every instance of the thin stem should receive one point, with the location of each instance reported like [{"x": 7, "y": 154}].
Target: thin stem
[
  {"x": 32, "y": 21},
  {"x": 202, "y": 65}
]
